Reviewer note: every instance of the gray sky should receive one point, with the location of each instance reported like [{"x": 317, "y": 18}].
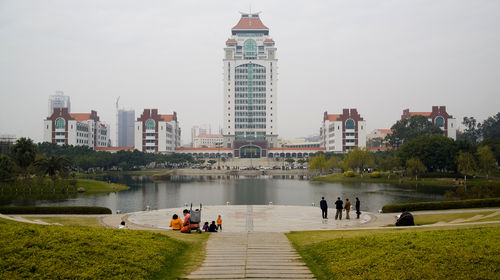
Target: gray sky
[{"x": 377, "y": 56}]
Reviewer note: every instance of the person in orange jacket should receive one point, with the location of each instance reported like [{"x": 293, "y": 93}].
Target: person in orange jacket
[
  {"x": 176, "y": 222},
  {"x": 219, "y": 223}
]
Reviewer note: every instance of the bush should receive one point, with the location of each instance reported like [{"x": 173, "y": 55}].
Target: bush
[
  {"x": 375, "y": 174},
  {"x": 54, "y": 210},
  {"x": 349, "y": 173},
  {"x": 442, "y": 205}
]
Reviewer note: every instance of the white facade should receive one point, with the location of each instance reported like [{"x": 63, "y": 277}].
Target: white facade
[
  {"x": 157, "y": 133},
  {"x": 342, "y": 132},
  {"x": 208, "y": 141},
  {"x": 200, "y": 130},
  {"x": 75, "y": 129},
  {"x": 58, "y": 100},
  {"x": 250, "y": 83}
]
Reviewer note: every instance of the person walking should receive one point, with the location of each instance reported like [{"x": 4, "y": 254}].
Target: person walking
[
  {"x": 339, "y": 206},
  {"x": 358, "y": 205},
  {"x": 324, "y": 208},
  {"x": 347, "y": 208}
]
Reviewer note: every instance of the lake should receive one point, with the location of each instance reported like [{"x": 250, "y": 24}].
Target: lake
[{"x": 237, "y": 191}]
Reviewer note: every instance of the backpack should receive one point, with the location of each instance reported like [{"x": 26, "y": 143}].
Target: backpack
[{"x": 195, "y": 217}]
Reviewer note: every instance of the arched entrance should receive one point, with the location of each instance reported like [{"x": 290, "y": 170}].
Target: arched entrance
[{"x": 250, "y": 152}]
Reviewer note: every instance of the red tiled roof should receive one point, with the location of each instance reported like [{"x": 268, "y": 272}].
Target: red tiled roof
[
  {"x": 425, "y": 114},
  {"x": 80, "y": 117},
  {"x": 202, "y": 149},
  {"x": 249, "y": 23},
  {"x": 297, "y": 149},
  {"x": 269, "y": 41},
  {"x": 114, "y": 148},
  {"x": 231, "y": 41},
  {"x": 167, "y": 118},
  {"x": 385, "y": 131},
  {"x": 333, "y": 118}
]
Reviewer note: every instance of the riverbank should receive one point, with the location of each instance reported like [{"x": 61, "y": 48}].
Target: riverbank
[
  {"x": 99, "y": 187},
  {"x": 293, "y": 173}
]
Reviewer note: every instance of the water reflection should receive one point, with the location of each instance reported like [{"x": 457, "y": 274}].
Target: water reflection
[{"x": 217, "y": 190}]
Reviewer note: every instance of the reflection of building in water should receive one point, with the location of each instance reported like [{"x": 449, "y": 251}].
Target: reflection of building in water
[
  {"x": 6, "y": 142},
  {"x": 439, "y": 117}
]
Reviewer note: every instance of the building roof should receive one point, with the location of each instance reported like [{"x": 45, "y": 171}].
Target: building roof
[
  {"x": 268, "y": 41},
  {"x": 231, "y": 41},
  {"x": 202, "y": 149},
  {"x": 333, "y": 117},
  {"x": 385, "y": 131},
  {"x": 109, "y": 149},
  {"x": 425, "y": 114},
  {"x": 167, "y": 118},
  {"x": 209, "y": 136},
  {"x": 80, "y": 117},
  {"x": 250, "y": 22}
]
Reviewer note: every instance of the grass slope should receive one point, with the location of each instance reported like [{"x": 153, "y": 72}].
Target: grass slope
[
  {"x": 465, "y": 253},
  {"x": 97, "y": 187},
  {"x": 75, "y": 252}
]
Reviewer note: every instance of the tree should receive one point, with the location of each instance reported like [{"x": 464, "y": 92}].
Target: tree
[
  {"x": 437, "y": 152},
  {"x": 301, "y": 161},
  {"x": 491, "y": 127},
  {"x": 487, "y": 160},
  {"x": 52, "y": 165},
  {"x": 390, "y": 163},
  {"x": 23, "y": 153},
  {"x": 6, "y": 168},
  {"x": 318, "y": 163},
  {"x": 332, "y": 163},
  {"x": 358, "y": 159},
  {"x": 211, "y": 161},
  {"x": 410, "y": 128},
  {"x": 290, "y": 160},
  {"x": 472, "y": 131},
  {"x": 414, "y": 167},
  {"x": 466, "y": 164}
]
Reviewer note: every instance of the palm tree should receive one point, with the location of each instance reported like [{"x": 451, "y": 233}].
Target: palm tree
[
  {"x": 52, "y": 165},
  {"x": 23, "y": 153}
]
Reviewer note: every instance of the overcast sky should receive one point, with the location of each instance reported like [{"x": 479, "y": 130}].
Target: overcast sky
[{"x": 377, "y": 56}]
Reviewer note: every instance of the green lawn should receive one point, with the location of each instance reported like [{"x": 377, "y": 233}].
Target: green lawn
[
  {"x": 410, "y": 253},
  {"x": 432, "y": 219},
  {"x": 98, "y": 187},
  {"x": 69, "y": 221},
  {"x": 30, "y": 251}
]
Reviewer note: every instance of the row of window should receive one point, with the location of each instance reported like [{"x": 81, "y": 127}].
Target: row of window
[
  {"x": 250, "y": 95},
  {"x": 243, "y": 69},
  {"x": 250, "y": 83},
  {"x": 250, "y": 101},
  {"x": 250, "y": 77},
  {"x": 240, "y": 126},
  {"x": 251, "y": 107},
  {"x": 250, "y": 89},
  {"x": 250, "y": 114},
  {"x": 240, "y": 120}
]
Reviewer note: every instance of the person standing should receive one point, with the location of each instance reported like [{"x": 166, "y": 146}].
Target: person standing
[
  {"x": 219, "y": 223},
  {"x": 358, "y": 206},
  {"x": 347, "y": 208},
  {"x": 339, "y": 206},
  {"x": 324, "y": 208}
]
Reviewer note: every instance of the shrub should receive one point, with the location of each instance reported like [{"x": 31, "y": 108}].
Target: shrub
[
  {"x": 375, "y": 174},
  {"x": 54, "y": 210},
  {"x": 349, "y": 173},
  {"x": 442, "y": 205}
]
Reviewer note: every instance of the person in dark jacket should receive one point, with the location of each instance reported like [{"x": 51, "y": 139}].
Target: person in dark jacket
[
  {"x": 405, "y": 219},
  {"x": 212, "y": 227},
  {"x": 358, "y": 207},
  {"x": 324, "y": 208},
  {"x": 339, "y": 206}
]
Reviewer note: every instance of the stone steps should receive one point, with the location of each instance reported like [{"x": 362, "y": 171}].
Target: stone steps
[{"x": 251, "y": 256}]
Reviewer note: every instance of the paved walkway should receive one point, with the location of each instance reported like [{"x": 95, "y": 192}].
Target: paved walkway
[{"x": 251, "y": 255}]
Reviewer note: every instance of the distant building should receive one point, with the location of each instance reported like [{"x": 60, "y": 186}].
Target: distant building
[
  {"x": 75, "y": 129},
  {"x": 197, "y": 130},
  {"x": 250, "y": 89},
  {"x": 439, "y": 117},
  {"x": 6, "y": 143},
  {"x": 126, "y": 120},
  {"x": 298, "y": 143},
  {"x": 157, "y": 133},
  {"x": 208, "y": 141},
  {"x": 59, "y": 100},
  {"x": 342, "y": 132},
  {"x": 376, "y": 138}
]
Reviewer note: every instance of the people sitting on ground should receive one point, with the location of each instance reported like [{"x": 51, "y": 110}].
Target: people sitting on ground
[
  {"x": 122, "y": 225},
  {"x": 186, "y": 225},
  {"x": 405, "y": 219},
  {"x": 205, "y": 227},
  {"x": 176, "y": 222},
  {"x": 213, "y": 227}
]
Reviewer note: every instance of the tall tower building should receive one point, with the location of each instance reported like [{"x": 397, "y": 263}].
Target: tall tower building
[
  {"x": 250, "y": 78},
  {"x": 126, "y": 120},
  {"x": 58, "y": 100}
]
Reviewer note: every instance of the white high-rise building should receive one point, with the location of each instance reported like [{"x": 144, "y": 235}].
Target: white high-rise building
[
  {"x": 58, "y": 100},
  {"x": 250, "y": 90},
  {"x": 157, "y": 133}
]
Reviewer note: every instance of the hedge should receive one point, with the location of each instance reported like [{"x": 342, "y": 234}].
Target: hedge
[
  {"x": 54, "y": 210},
  {"x": 442, "y": 205}
]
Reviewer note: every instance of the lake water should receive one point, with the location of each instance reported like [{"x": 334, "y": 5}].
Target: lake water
[{"x": 237, "y": 191}]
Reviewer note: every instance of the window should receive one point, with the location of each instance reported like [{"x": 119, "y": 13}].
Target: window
[
  {"x": 150, "y": 124},
  {"x": 439, "y": 121},
  {"x": 60, "y": 123},
  {"x": 250, "y": 48},
  {"x": 349, "y": 124}
]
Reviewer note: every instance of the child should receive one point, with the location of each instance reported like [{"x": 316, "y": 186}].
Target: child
[
  {"x": 176, "y": 222},
  {"x": 122, "y": 225},
  {"x": 213, "y": 227},
  {"x": 219, "y": 223},
  {"x": 205, "y": 227}
]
